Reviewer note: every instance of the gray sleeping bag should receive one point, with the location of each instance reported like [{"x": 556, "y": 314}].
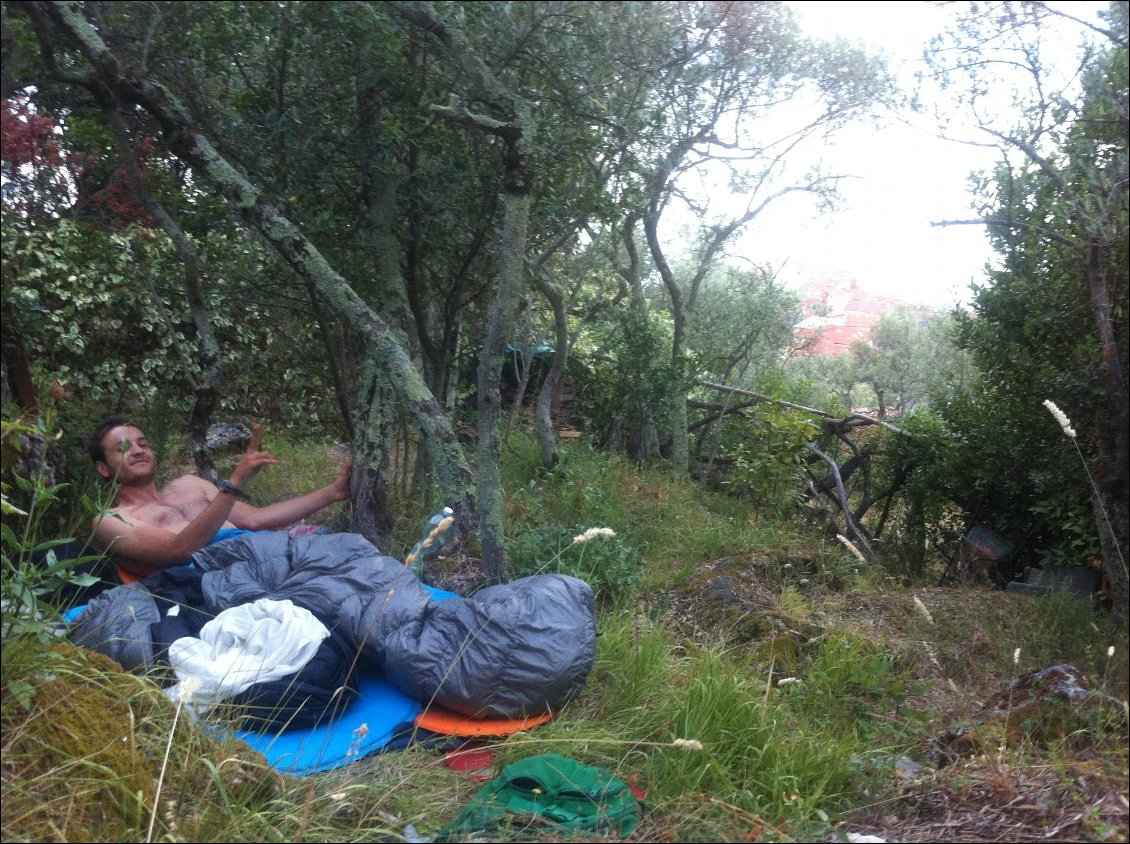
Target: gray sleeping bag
[{"x": 513, "y": 650}]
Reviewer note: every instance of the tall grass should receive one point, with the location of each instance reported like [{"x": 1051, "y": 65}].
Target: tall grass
[{"x": 675, "y": 525}]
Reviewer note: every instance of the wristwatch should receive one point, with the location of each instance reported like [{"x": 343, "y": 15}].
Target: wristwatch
[{"x": 232, "y": 489}]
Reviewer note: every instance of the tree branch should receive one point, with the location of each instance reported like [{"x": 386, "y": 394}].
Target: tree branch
[
  {"x": 761, "y": 397},
  {"x": 1006, "y": 223},
  {"x": 843, "y": 499},
  {"x": 459, "y": 113}
]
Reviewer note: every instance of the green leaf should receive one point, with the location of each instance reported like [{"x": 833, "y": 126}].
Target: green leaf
[
  {"x": 10, "y": 538},
  {"x": 50, "y": 543},
  {"x": 23, "y": 692},
  {"x": 64, "y": 565},
  {"x": 10, "y": 509}
]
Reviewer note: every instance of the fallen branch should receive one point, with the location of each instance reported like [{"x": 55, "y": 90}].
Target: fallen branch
[{"x": 870, "y": 420}]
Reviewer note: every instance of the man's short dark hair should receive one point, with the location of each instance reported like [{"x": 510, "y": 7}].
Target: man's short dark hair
[{"x": 94, "y": 444}]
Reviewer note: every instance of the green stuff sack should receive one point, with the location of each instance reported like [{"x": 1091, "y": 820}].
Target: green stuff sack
[{"x": 549, "y": 792}]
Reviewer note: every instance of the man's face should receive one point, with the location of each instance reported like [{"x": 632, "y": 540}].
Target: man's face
[{"x": 129, "y": 459}]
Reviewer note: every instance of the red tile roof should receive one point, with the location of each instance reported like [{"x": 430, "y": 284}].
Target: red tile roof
[{"x": 839, "y": 312}]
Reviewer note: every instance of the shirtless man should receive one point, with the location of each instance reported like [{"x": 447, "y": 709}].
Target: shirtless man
[{"x": 149, "y": 529}]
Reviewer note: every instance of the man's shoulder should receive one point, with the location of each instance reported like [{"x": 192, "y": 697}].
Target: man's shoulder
[{"x": 188, "y": 482}]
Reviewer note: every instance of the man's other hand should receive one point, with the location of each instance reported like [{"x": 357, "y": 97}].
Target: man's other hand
[
  {"x": 253, "y": 458},
  {"x": 340, "y": 485}
]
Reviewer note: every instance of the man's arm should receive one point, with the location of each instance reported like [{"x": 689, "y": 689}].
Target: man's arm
[{"x": 285, "y": 513}]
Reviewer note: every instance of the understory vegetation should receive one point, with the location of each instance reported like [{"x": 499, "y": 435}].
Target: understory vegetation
[{"x": 815, "y": 685}]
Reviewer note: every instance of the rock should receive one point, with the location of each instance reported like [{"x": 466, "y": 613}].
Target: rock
[
  {"x": 1042, "y": 704},
  {"x": 1060, "y": 682},
  {"x": 1081, "y": 581},
  {"x": 906, "y": 769},
  {"x": 223, "y": 435}
]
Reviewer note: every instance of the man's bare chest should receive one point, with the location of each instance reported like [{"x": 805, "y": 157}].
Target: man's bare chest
[{"x": 175, "y": 509}]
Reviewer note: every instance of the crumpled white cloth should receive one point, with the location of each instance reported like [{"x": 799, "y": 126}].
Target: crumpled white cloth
[{"x": 253, "y": 643}]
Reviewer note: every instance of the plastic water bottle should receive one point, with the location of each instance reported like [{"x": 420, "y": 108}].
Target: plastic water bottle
[{"x": 431, "y": 539}]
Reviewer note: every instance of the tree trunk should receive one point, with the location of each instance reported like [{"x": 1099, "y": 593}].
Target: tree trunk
[
  {"x": 516, "y": 137},
  {"x": 680, "y": 441},
  {"x": 512, "y": 262},
  {"x": 1113, "y": 475},
  {"x": 550, "y": 387},
  {"x": 17, "y": 372},
  {"x": 634, "y": 432},
  {"x": 368, "y": 489},
  {"x": 333, "y": 362},
  {"x": 524, "y": 366},
  {"x": 915, "y": 549},
  {"x": 377, "y": 419}
]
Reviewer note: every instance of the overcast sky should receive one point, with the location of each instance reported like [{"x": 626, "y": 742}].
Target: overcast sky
[{"x": 906, "y": 179}]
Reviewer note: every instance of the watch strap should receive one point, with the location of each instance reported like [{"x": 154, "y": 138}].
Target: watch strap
[{"x": 232, "y": 489}]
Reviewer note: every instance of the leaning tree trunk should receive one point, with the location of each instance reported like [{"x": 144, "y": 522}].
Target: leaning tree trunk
[{"x": 186, "y": 141}]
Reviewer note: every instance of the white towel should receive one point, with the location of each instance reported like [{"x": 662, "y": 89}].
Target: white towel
[{"x": 253, "y": 643}]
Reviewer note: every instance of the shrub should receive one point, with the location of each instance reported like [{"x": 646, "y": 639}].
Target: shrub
[{"x": 611, "y": 567}]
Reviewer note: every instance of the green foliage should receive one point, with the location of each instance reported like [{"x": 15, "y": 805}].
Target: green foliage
[
  {"x": 1060, "y": 226},
  {"x": 71, "y": 294},
  {"x": 770, "y": 455},
  {"x": 828, "y": 383},
  {"x": 33, "y": 573},
  {"x": 673, "y": 526},
  {"x": 909, "y": 358},
  {"x": 630, "y": 386},
  {"x": 1004, "y": 460},
  {"x": 851, "y": 681},
  {"x": 742, "y": 321},
  {"x": 909, "y": 361},
  {"x": 607, "y": 564},
  {"x": 787, "y": 753},
  {"x": 77, "y": 297},
  {"x": 924, "y": 514}
]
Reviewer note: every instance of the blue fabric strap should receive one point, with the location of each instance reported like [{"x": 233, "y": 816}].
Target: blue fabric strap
[{"x": 227, "y": 533}]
